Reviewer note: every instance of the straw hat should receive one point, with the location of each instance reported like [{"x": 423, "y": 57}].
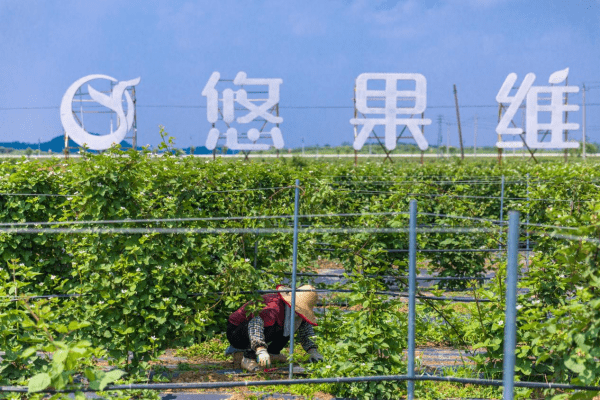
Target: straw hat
[{"x": 305, "y": 301}]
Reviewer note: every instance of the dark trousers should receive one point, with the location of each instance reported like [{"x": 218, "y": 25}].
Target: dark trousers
[{"x": 238, "y": 338}]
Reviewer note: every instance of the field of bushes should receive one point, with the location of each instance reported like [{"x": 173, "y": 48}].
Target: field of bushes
[{"x": 142, "y": 292}]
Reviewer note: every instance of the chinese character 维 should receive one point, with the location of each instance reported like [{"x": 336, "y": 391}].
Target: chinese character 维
[{"x": 557, "y": 109}]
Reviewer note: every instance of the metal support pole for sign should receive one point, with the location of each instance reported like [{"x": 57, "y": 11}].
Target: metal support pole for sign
[
  {"x": 566, "y": 131},
  {"x": 475, "y": 136},
  {"x": 510, "y": 319},
  {"x": 501, "y": 213},
  {"x": 412, "y": 283},
  {"x": 355, "y": 130},
  {"x": 134, "y": 141},
  {"x": 66, "y": 149},
  {"x": 423, "y": 133},
  {"x": 527, "y": 230},
  {"x": 462, "y": 150},
  {"x": 499, "y": 137},
  {"x": 447, "y": 139},
  {"x": 294, "y": 259},
  {"x": 439, "y": 140},
  {"x": 583, "y": 120}
]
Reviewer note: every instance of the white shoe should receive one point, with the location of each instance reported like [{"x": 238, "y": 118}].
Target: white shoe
[{"x": 249, "y": 365}]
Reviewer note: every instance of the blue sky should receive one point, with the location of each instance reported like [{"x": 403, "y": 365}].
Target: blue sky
[{"x": 318, "y": 48}]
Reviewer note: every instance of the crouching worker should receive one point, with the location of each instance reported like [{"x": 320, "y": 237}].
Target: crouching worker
[{"x": 263, "y": 336}]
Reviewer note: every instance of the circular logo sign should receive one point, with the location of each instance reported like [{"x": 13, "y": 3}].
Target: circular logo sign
[{"x": 113, "y": 102}]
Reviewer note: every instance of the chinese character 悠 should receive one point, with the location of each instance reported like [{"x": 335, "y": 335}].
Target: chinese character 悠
[
  {"x": 227, "y": 111},
  {"x": 390, "y": 111},
  {"x": 556, "y": 108}
]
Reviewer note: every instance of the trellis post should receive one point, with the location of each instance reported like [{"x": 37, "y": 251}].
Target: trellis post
[
  {"x": 294, "y": 265},
  {"x": 412, "y": 283},
  {"x": 501, "y": 214},
  {"x": 510, "y": 318}
]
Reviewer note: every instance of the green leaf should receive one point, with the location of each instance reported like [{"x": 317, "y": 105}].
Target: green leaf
[
  {"x": 83, "y": 343},
  {"x": 75, "y": 325},
  {"x": 80, "y": 351},
  {"x": 59, "y": 356},
  {"x": 95, "y": 384},
  {"x": 38, "y": 382},
  {"x": 110, "y": 377},
  {"x": 583, "y": 395},
  {"x": 89, "y": 374},
  {"x": 60, "y": 381},
  {"x": 574, "y": 366},
  {"x": 28, "y": 353}
]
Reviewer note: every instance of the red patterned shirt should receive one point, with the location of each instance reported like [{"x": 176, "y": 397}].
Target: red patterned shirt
[{"x": 272, "y": 314}]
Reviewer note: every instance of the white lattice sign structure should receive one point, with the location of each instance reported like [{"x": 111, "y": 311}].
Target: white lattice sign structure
[{"x": 263, "y": 111}]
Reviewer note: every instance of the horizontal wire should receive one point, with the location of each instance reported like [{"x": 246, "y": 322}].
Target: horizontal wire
[
  {"x": 551, "y": 226},
  {"x": 419, "y": 278},
  {"x": 204, "y": 192},
  {"x": 39, "y": 194},
  {"x": 485, "y": 179},
  {"x": 567, "y": 237},
  {"x": 322, "y": 230},
  {"x": 292, "y": 107},
  {"x": 461, "y": 217},
  {"x": 247, "y": 190},
  {"x": 553, "y": 200},
  {"x": 413, "y": 182},
  {"x": 466, "y": 182},
  {"x": 423, "y": 194},
  {"x": 502, "y": 222},
  {"x": 307, "y": 381},
  {"x": 236, "y": 230},
  {"x": 157, "y": 220},
  {"x": 429, "y": 250},
  {"x": 338, "y": 189},
  {"x": 341, "y": 182},
  {"x": 385, "y": 293},
  {"x": 463, "y": 197},
  {"x": 237, "y": 218},
  {"x": 413, "y": 177}
]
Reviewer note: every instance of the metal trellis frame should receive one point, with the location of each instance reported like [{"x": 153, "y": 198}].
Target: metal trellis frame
[{"x": 510, "y": 315}]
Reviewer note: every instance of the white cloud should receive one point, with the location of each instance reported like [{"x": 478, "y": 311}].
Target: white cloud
[
  {"x": 487, "y": 3},
  {"x": 183, "y": 22},
  {"x": 307, "y": 24}
]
